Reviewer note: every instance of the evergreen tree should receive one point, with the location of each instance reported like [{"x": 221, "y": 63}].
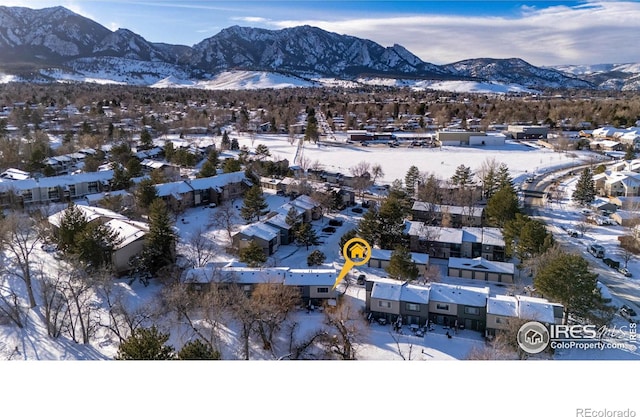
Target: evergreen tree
[
  {"x": 585, "y": 191},
  {"x": 490, "y": 182},
  {"x": 145, "y": 140},
  {"x": 121, "y": 179},
  {"x": 401, "y": 265},
  {"x": 503, "y": 177},
  {"x": 565, "y": 278},
  {"x": 502, "y": 206},
  {"x": 72, "y": 222},
  {"x": 210, "y": 166},
  {"x": 254, "y": 204},
  {"x": 311, "y": 130},
  {"x": 225, "y": 144},
  {"x": 95, "y": 244},
  {"x": 169, "y": 151},
  {"x": 160, "y": 241},
  {"x": 134, "y": 169},
  {"x": 306, "y": 235},
  {"x": 347, "y": 236},
  {"x": 316, "y": 258},
  {"x": 411, "y": 179},
  {"x": 262, "y": 152},
  {"x": 146, "y": 192},
  {"x": 525, "y": 237},
  {"x": 235, "y": 146},
  {"x": 253, "y": 255},
  {"x": 292, "y": 220},
  {"x": 391, "y": 218},
  {"x": 145, "y": 344},
  {"x": 630, "y": 153},
  {"x": 231, "y": 165},
  {"x": 462, "y": 176},
  {"x": 368, "y": 227},
  {"x": 196, "y": 350}
]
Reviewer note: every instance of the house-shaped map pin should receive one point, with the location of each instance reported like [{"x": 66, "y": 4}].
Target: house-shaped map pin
[{"x": 357, "y": 251}]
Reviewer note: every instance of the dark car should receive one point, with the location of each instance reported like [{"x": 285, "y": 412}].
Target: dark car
[
  {"x": 628, "y": 313},
  {"x": 335, "y": 222},
  {"x": 329, "y": 229},
  {"x": 357, "y": 210},
  {"x": 361, "y": 279}
]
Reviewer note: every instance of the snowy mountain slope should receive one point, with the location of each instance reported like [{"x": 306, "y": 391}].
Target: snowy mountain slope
[
  {"x": 305, "y": 49},
  {"x": 516, "y": 71},
  {"x": 58, "y": 42},
  {"x": 609, "y": 76}
]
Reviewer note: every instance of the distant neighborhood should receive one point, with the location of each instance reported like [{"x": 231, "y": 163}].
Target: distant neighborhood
[{"x": 113, "y": 188}]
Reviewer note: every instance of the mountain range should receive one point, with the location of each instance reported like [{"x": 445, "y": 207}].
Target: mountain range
[{"x": 52, "y": 44}]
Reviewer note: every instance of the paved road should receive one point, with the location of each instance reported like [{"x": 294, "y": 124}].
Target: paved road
[{"x": 626, "y": 289}]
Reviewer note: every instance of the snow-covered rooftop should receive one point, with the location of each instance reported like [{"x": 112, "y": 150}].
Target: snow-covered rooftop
[
  {"x": 385, "y": 255},
  {"x": 480, "y": 263},
  {"x": 538, "y": 309},
  {"x": 457, "y": 294},
  {"x": 502, "y": 305}
]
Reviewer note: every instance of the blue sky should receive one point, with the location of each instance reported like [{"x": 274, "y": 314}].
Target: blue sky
[{"x": 541, "y": 32}]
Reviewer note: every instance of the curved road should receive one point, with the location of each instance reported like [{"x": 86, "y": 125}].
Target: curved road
[{"x": 626, "y": 289}]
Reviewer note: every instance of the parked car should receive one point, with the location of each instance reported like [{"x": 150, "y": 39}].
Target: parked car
[
  {"x": 628, "y": 313},
  {"x": 329, "y": 229},
  {"x": 611, "y": 263},
  {"x": 625, "y": 272},
  {"x": 573, "y": 233},
  {"x": 357, "y": 210},
  {"x": 361, "y": 279},
  {"x": 596, "y": 250}
]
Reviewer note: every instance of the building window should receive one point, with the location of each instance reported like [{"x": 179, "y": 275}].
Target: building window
[
  {"x": 413, "y": 307},
  {"x": 93, "y": 187},
  {"x": 27, "y": 195},
  {"x": 472, "y": 310},
  {"x": 500, "y": 320},
  {"x": 323, "y": 290},
  {"x": 384, "y": 304},
  {"x": 53, "y": 193},
  {"x": 442, "y": 307}
]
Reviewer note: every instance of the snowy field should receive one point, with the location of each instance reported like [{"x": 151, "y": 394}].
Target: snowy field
[
  {"x": 337, "y": 156},
  {"x": 437, "y": 361},
  {"x": 381, "y": 344}
]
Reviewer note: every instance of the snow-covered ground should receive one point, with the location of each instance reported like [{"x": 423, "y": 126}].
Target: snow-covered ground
[
  {"x": 31, "y": 342},
  {"x": 378, "y": 349}
]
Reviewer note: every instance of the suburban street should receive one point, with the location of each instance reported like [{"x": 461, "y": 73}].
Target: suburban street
[{"x": 626, "y": 289}]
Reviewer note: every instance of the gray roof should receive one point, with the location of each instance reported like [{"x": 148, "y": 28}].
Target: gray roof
[
  {"x": 456, "y": 294},
  {"x": 481, "y": 264}
]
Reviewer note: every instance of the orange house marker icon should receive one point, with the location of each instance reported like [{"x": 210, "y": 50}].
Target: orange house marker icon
[{"x": 357, "y": 251}]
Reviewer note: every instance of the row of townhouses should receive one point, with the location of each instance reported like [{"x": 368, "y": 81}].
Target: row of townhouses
[
  {"x": 315, "y": 285},
  {"x": 458, "y": 306}
]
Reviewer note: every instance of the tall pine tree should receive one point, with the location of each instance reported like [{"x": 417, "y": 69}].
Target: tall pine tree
[
  {"x": 254, "y": 204},
  {"x": 411, "y": 180},
  {"x": 585, "y": 191},
  {"x": 160, "y": 241}
]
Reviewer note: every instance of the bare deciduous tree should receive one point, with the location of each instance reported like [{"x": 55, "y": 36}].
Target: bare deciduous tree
[
  {"x": 345, "y": 330},
  {"x": 199, "y": 249},
  {"x": 21, "y": 239},
  {"x": 273, "y": 304},
  {"x": 226, "y": 217}
]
